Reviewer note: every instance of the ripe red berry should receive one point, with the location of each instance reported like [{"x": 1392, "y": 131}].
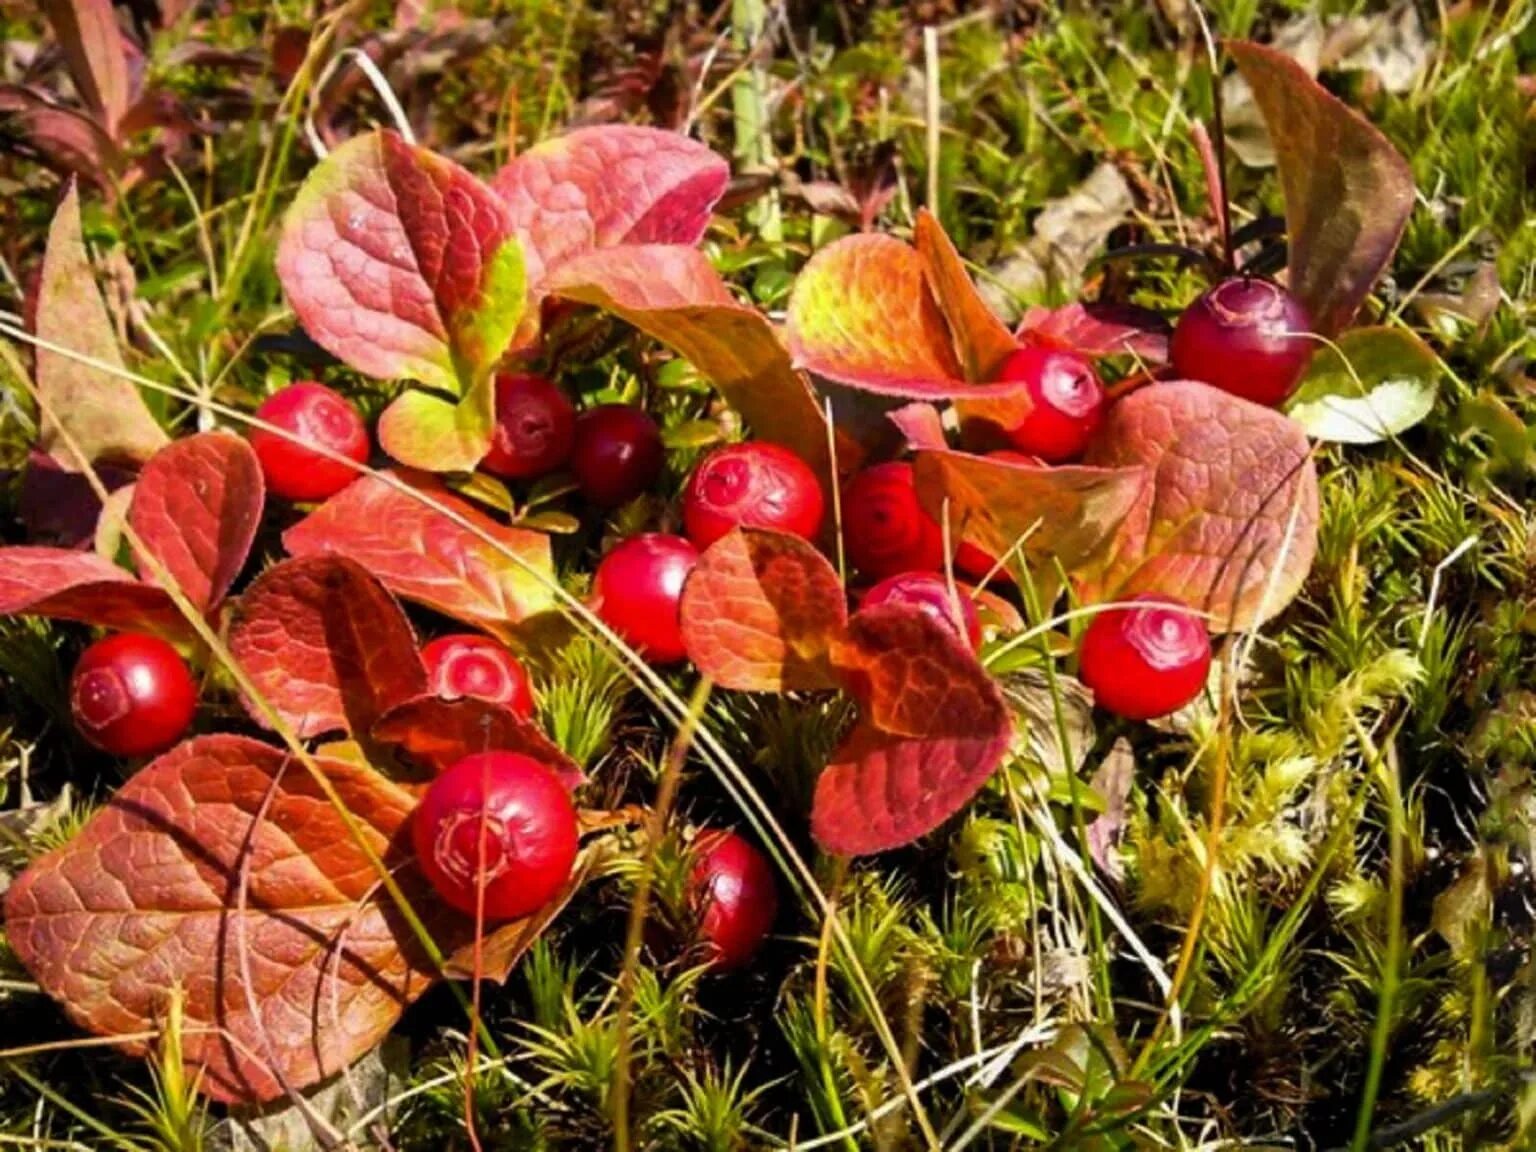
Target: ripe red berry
[
  {"x": 131, "y": 695},
  {"x": 617, "y": 453},
  {"x": 1067, "y": 401},
  {"x": 316, "y": 415},
  {"x": 1145, "y": 660},
  {"x": 733, "y": 896},
  {"x": 929, "y": 592},
  {"x": 755, "y": 485},
  {"x": 1245, "y": 336},
  {"x": 637, "y": 590},
  {"x": 885, "y": 529},
  {"x": 530, "y": 834},
  {"x": 535, "y": 428},
  {"x": 467, "y": 664}
]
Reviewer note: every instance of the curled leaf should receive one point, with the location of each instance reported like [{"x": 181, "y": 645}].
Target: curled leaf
[
  {"x": 438, "y": 733},
  {"x": 760, "y": 611},
  {"x": 1100, "y": 330},
  {"x": 981, "y": 341},
  {"x": 1227, "y": 518},
  {"x": 493, "y": 576},
  {"x": 1372, "y": 384},
  {"x": 63, "y": 584},
  {"x": 325, "y": 645}
]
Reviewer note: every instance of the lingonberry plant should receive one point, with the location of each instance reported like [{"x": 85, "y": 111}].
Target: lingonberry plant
[
  {"x": 1065, "y": 402},
  {"x": 752, "y": 485},
  {"x": 885, "y": 529},
  {"x": 617, "y": 454},
  {"x": 637, "y": 591},
  {"x": 132, "y": 695},
  {"x": 932, "y": 594},
  {"x": 467, "y": 664},
  {"x": 309, "y": 415},
  {"x": 732, "y": 896},
  {"x": 535, "y": 427},
  {"x": 1246, "y": 336},
  {"x": 1145, "y": 659}
]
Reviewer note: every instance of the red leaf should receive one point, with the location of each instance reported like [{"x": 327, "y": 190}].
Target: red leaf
[
  {"x": 87, "y": 31},
  {"x": 289, "y": 980},
  {"x": 933, "y": 727},
  {"x": 981, "y": 341},
  {"x": 1100, "y": 330},
  {"x": 67, "y": 140},
  {"x": 63, "y": 584},
  {"x": 1227, "y": 519},
  {"x": 439, "y": 733},
  {"x": 326, "y": 646},
  {"x": 920, "y": 425},
  {"x": 606, "y": 186},
  {"x": 196, "y": 508},
  {"x": 1067, "y": 513},
  {"x": 760, "y": 612},
  {"x": 424, "y": 555},
  {"x": 60, "y": 507},
  {"x": 1348, "y": 193}
]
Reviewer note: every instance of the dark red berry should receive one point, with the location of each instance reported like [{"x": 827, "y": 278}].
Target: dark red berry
[
  {"x": 754, "y": 485},
  {"x": 467, "y": 664},
  {"x": 131, "y": 695},
  {"x": 638, "y": 588},
  {"x": 535, "y": 428},
  {"x": 929, "y": 592},
  {"x": 733, "y": 896},
  {"x": 1245, "y": 336},
  {"x": 885, "y": 529},
  {"x": 617, "y": 454},
  {"x": 317, "y": 416},
  {"x": 1145, "y": 660},
  {"x": 529, "y": 828},
  {"x": 1066, "y": 398}
]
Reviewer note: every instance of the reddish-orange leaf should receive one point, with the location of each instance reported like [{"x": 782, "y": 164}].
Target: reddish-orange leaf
[
  {"x": 1099, "y": 330},
  {"x": 222, "y": 870},
  {"x": 438, "y": 733},
  {"x": 981, "y": 341},
  {"x": 195, "y": 508},
  {"x": 760, "y": 611},
  {"x": 920, "y": 425},
  {"x": 423, "y": 554},
  {"x": 63, "y": 584},
  {"x": 985, "y": 420},
  {"x": 933, "y": 726},
  {"x": 1068, "y": 513},
  {"x": 326, "y": 646},
  {"x": 1227, "y": 518}
]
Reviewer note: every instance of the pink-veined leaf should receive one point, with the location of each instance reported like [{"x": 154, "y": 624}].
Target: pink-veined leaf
[
  {"x": 1099, "y": 330},
  {"x": 325, "y": 645},
  {"x": 422, "y": 554},
  {"x": 981, "y": 341},
  {"x": 63, "y": 584},
  {"x": 438, "y": 733},
  {"x": 1226, "y": 520},
  {"x": 196, "y": 508}
]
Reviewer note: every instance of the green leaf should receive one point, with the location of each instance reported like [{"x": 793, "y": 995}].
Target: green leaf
[{"x": 1372, "y": 385}]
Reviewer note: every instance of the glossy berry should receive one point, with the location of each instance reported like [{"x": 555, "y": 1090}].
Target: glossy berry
[
  {"x": 754, "y": 485},
  {"x": 617, "y": 454},
  {"x": 1245, "y": 336},
  {"x": 885, "y": 529},
  {"x": 637, "y": 590},
  {"x": 733, "y": 896},
  {"x": 1066, "y": 397},
  {"x": 467, "y": 664},
  {"x": 1145, "y": 660},
  {"x": 535, "y": 428},
  {"x": 530, "y": 834},
  {"x": 131, "y": 695},
  {"x": 316, "y": 415},
  {"x": 930, "y": 592}
]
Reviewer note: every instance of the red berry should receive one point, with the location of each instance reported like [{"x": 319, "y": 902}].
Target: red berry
[
  {"x": 535, "y": 428},
  {"x": 617, "y": 454},
  {"x": 131, "y": 695},
  {"x": 930, "y": 592},
  {"x": 1067, "y": 401},
  {"x": 734, "y": 897},
  {"x": 638, "y": 588},
  {"x": 1245, "y": 336},
  {"x": 1145, "y": 660},
  {"x": 530, "y": 834},
  {"x": 316, "y": 415},
  {"x": 755, "y": 485},
  {"x": 885, "y": 529},
  {"x": 467, "y": 664}
]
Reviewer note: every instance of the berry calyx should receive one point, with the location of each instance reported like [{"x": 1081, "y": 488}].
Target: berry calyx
[
  {"x": 617, "y": 454},
  {"x": 132, "y": 695},
  {"x": 535, "y": 428},
  {"x": 637, "y": 591},
  {"x": 466, "y": 664},
  {"x": 1066, "y": 401},
  {"x": 885, "y": 529},
  {"x": 316, "y": 416},
  {"x": 929, "y": 592},
  {"x": 1246, "y": 336},
  {"x": 752, "y": 485},
  {"x": 530, "y": 834},
  {"x": 733, "y": 896},
  {"x": 1145, "y": 660}
]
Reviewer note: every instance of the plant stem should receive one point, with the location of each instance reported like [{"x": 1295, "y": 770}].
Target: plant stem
[{"x": 753, "y": 149}]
